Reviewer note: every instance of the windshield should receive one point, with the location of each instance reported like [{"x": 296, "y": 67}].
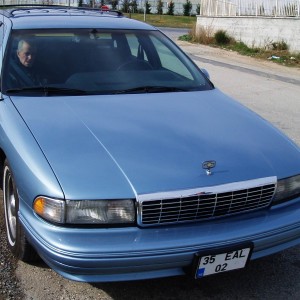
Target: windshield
[{"x": 96, "y": 61}]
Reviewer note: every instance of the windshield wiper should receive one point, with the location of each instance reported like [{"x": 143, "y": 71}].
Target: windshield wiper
[
  {"x": 47, "y": 90},
  {"x": 150, "y": 89}
]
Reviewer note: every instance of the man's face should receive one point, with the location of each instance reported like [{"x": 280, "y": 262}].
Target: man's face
[{"x": 26, "y": 55}]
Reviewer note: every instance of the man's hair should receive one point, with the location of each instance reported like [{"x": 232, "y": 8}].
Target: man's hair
[{"x": 26, "y": 41}]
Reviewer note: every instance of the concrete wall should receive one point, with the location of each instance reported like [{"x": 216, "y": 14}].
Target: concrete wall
[{"x": 256, "y": 31}]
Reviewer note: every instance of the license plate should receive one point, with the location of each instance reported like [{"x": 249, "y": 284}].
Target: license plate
[{"x": 228, "y": 260}]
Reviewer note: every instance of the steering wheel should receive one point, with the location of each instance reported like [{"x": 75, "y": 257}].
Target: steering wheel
[{"x": 135, "y": 65}]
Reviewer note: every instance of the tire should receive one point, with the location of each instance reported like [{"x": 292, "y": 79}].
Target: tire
[{"x": 16, "y": 238}]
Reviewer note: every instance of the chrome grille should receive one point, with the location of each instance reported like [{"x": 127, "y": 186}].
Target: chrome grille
[{"x": 204, "y": 205}]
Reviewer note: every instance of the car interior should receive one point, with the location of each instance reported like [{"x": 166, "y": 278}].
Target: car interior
[{"x": 105, "y": 61}]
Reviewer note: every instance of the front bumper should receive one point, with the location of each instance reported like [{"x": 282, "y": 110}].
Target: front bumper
[{"x": 132, "y": 253}]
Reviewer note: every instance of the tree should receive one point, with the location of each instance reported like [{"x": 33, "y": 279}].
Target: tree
[
  {"x": 198, "y": 9},
  {"x": 159, "y": 7},
  {"x": 80, "y": 2},
  {"x": 261, "y": 10},
  {"x": 148, "y": 7},
  {"x": 187, "y": 8},
  {"x": 114, "y": 4},
  {"x": 134, "y": 6},
  {"x": 125, "y": 6},
  {"x": 171, "y": 6}
]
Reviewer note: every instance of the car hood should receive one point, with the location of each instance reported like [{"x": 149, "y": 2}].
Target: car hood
[{"x": 117, "y": 146}]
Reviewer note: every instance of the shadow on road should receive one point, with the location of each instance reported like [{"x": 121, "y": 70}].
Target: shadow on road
[{"x": 263, "y": 279}]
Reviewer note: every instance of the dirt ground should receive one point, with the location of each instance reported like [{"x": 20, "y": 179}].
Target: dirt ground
[{"x": 238, "y": 60}]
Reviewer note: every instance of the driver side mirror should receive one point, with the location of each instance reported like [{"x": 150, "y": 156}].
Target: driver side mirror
[{"x": 205, "y": 72}]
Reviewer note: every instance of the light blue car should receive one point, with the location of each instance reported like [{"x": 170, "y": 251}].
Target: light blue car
[{"x": 121, "y": 160}]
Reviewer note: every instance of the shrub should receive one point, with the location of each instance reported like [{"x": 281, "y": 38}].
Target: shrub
[{"x": 221, "y": 37}]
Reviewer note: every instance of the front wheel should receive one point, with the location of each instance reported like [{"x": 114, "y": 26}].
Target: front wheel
[{"x": 16, "y": 238}]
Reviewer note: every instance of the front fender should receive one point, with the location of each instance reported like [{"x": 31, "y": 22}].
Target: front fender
[{"x": 32, "y": 172}]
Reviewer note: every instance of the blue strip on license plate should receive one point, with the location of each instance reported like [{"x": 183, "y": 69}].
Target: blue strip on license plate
[{"x": 222, "y": 262}]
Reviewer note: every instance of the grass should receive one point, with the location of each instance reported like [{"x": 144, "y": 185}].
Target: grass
[{"x": 165, "y": 20}]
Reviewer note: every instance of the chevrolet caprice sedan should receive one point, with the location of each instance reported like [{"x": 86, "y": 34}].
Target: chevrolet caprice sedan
[{"x": 121, "y": 160}]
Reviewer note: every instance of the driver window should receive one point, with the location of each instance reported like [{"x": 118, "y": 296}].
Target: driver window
[
  {"x": 136, "y": 48},
  {"x": 169, "y": 60}
]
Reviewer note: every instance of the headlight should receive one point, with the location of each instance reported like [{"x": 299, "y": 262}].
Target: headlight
[
  {"x": 100, "y": 212},
  {"x": 287, "y": 189},
  {"x": 85, "y": 211}
]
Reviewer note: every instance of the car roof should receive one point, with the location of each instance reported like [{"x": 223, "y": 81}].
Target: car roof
[{"x": 43, "y": 17}]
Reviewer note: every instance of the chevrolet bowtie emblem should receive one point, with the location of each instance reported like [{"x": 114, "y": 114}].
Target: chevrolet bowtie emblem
[{"x": 208, "y": 165}]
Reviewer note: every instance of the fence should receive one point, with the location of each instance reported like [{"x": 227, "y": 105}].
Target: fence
[
  {"x": 218, "y": 8},
  {"x": 49, "y": 2},
  {"x": 275, "y": 8}
]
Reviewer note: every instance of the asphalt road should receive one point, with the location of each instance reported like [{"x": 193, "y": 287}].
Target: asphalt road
[
  {"x": 274, "y": 93},
  {"x": 174, "y": 33}
]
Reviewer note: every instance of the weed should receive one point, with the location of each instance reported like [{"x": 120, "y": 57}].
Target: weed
[
  {"x": 186, "y": 38},
  {"x": 280, "y": 45},
  {"x": 243, "y": 49},
  {"x": 202, "y": 35}
]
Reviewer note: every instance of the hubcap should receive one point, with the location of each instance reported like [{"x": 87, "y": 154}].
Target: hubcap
[{"x": 10, "y": 207}]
